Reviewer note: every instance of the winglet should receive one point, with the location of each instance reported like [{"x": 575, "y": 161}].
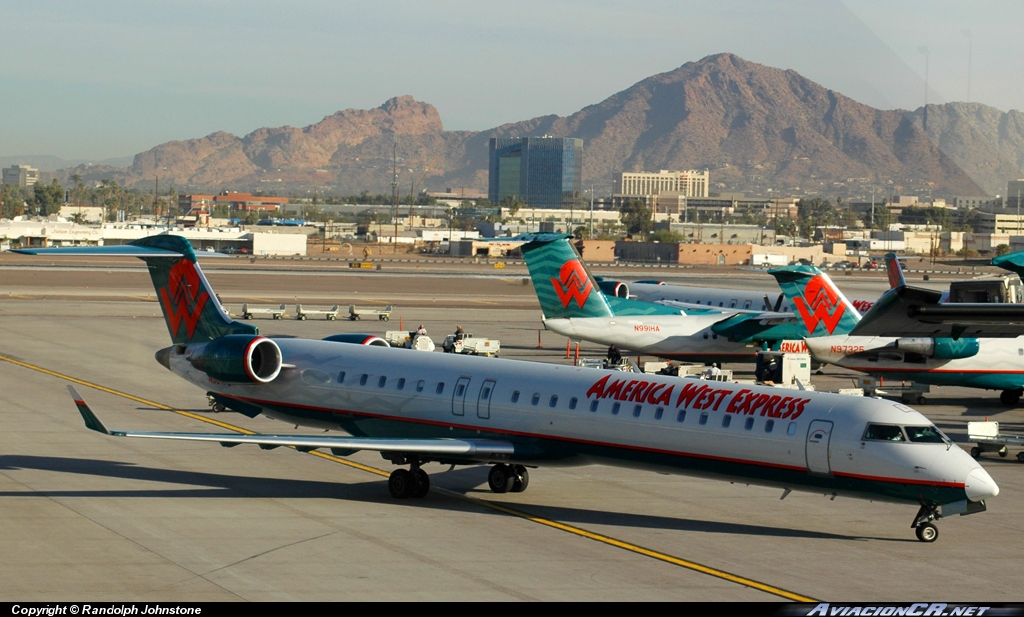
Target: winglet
[
  {"x": 1014, "y": 262},
  {"x": 91, "y": 421},
  {"x": 894, "y": 270}
]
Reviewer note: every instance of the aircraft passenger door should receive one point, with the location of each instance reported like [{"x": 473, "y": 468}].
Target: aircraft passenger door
[
  {"x": 459, "y": 396},
  {"x": 483, "y": 402},
  {"x": 818, "y": 436}
]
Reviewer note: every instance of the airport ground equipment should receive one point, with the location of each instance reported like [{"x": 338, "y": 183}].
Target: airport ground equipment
[
  {"x": 275, "y": 312},
  {"x": 469, "y": 344},
  {"x": 409, "y": 340},
  {"x": 912, "y": 393},
  {"x": 355, "y": 313},
  {"x": 989, "y": 439},
  {"x": 784, "y": 369},
  {"x": 329, "y": 314}
]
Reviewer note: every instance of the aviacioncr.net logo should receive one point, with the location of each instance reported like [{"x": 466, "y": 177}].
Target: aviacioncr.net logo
[
  {"x": 572, "y": 284},
  {"x": 820, "y": 304}
]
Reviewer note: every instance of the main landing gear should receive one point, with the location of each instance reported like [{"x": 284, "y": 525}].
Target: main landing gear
[
  {"x": 404, "y": 483},
  {"x": 1010, "y": 398},
  {"x": 504, "y": 478},
  {"x": 924, "y": 528}
]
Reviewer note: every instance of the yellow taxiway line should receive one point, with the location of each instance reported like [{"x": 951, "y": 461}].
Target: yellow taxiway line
[{"x": 628, "y": 546}]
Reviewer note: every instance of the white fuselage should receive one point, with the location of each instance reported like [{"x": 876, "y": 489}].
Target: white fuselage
[
  {"x": 571, "y": 415},
  {"x": 680, "y": 337},
  {"x": 719, "y": 297}
]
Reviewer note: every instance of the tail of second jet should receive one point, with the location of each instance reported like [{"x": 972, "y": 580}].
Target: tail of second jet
[
  {"x": 191, "y": 309},
  {"x": 567, "y": 289},
  {"x": 816, "y": 301}
]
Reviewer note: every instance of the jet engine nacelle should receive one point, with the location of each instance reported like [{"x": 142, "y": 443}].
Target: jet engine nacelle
[
  {"x": 240, "y": 358},
  {"x": 939, "y": 348},
  {"x": 614, "y": 288},
  {"x": 358, "y": 339}
]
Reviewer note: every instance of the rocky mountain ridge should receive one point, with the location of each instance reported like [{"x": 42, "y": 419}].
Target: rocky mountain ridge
[{"x": 756, "y": 127}]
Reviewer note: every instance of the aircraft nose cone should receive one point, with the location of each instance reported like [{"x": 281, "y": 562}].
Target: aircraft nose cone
[
  {"x": 980, "y": 485},
  {"x": 164, "y": 357}
]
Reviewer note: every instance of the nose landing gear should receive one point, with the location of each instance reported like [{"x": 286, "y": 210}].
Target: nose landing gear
[{"x": 924, "y": 528}]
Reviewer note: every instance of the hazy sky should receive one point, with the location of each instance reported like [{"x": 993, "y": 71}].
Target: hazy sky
[{"x": 108, "y": 78}]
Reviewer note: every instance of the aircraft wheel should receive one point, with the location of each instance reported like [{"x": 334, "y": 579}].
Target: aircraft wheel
[
  {"x": 422, "y": 484},
  {"x": 1002, "y": 453},
  {"x": 219, "y": 408},
  {"x": 927, "y": 532},
  {"x": 501, "y": 478},
  {"x": 247, "y": 316},
  {"x": 521, "y": 479},
  {"x": 1010, "y": 398},
  {"x": 401, "y": 483},
  {"x": 975, "y": 452}
]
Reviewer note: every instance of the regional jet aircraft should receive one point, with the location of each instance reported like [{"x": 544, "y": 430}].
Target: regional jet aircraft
[
  {"x": 573, "y": 307},
  {"x": 415, "y": 407}
]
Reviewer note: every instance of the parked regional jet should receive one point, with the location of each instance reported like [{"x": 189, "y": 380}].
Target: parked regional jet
[
  {"x": 415, "y": 408},
  {"x": 933, "y": 351},
  {"x": 719, "y": 297},
  {"x": 571, "y": 306}
]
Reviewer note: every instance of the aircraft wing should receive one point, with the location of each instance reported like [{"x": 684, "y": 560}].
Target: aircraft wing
[
  {"x": 911, "y": 311},
  {"x": 1013, "y": 262},
  {"x": 469, "y": 449}
]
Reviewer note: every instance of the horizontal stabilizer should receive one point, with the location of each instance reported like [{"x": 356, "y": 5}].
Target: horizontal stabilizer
[{"x": 912, "y": 311}]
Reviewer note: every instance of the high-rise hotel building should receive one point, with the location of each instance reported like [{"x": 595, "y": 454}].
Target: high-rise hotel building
[{"x": 544, "y": 172}]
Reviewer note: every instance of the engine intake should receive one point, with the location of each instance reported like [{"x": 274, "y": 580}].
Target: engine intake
[
  {"x": 358, "y": 339},
  {"x": 614, "y": 288},
  {"x": 240, "y": 358}
]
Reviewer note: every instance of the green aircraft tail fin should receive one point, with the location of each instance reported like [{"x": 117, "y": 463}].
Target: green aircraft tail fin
[{"x": 822, "y": 309}]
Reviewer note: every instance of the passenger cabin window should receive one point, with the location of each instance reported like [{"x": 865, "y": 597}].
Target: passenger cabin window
[
  {"x": 419, "y": 385},
  {"x": 593, "y": 405},
  {"x": 681, "y": 416},
  {"x": 703, "y": 419},
  {"x": 380, "y": 382},
  {"x": 769, "y": 425},
  {"x": 726, "y": 421},
  {"x": 401, "y": 383},
  {"x": 749, "y": 424},
  {"x": 636, "y": 411},
  {"x": 341, "y": 377},
  {"x": 535, "y": 399},
  {"x": 658, "y": 413},
  {"x": 791, "y": 429},
  {"x": 615, "y": 409},
  {"x": 459, "y": 389},
  {"x": 363, "y": 378},
  {"x": 485, "y": 393},
  {"x": 572, "y": 402},
  {"x": 924, "y": 434},
  {"x": 884, "y": 432},
  {"x": 553, "y": 401},
  {"x": 440, "y": 387},
  {"x": 515, "y": 396}
]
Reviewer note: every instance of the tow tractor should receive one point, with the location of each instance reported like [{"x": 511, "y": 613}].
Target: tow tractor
[
  {"x": 409, "y": 340},
  {"x": 469, "y": 344}
]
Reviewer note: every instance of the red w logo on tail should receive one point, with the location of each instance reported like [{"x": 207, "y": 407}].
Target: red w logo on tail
[
  {"x": 820, "y": 304},
  {"x": 182, "y": 299},
  {"x": 572, "y": 284}
]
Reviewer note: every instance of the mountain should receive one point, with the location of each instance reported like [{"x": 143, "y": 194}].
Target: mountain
[{"x": 755, "y": 127}]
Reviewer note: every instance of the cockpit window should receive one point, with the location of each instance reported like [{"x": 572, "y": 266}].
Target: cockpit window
[
  {"x": 884, "y": 432},
  {"x": 924, "y": 434}
]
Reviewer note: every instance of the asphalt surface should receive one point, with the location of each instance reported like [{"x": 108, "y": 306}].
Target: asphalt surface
[{"x": 100, "y": 518}]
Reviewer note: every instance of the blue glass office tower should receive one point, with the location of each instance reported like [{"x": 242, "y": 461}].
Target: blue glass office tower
[{"x": 544, "y": 172}]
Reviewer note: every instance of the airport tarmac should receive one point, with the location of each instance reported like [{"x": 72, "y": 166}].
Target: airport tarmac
[{"x": 100, "y": 518}]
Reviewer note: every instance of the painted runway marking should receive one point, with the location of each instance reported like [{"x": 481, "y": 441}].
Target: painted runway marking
[{"x": 497, "y": 507}]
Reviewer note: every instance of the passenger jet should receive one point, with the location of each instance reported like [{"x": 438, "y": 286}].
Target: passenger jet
[{"x": 416, "y": 407}]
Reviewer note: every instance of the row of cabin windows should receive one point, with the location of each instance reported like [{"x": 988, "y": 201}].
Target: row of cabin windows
[
  {"x": 748, "y": 424},
  {"x": 383, "y": 381}
]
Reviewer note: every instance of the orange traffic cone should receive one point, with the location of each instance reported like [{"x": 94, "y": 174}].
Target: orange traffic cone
[{"x": 568, "y": 345}]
